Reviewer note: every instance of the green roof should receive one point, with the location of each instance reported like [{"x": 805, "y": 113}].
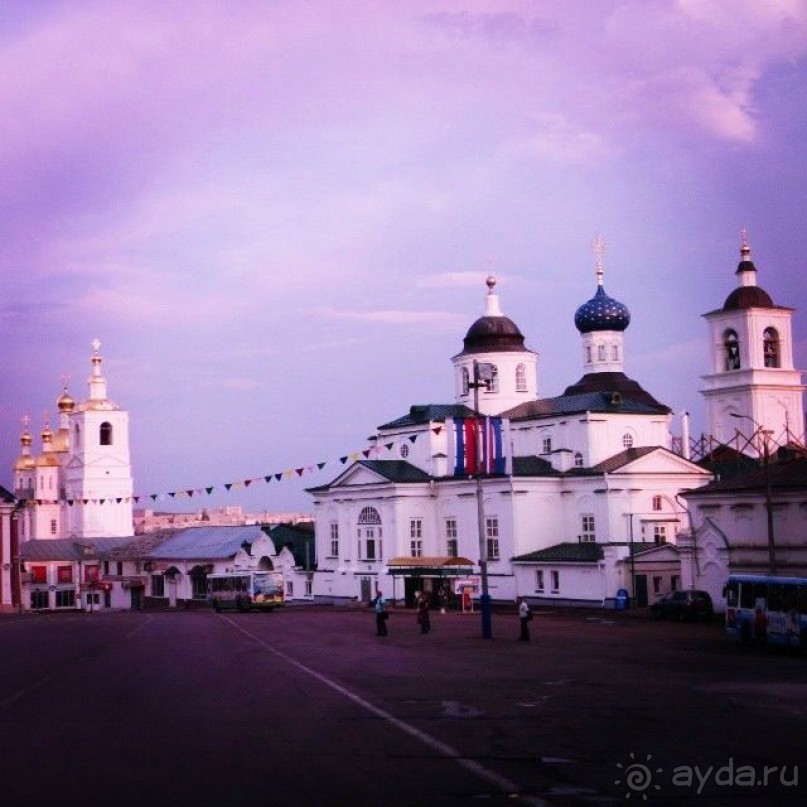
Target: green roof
[{"x": 588, "y": 552}]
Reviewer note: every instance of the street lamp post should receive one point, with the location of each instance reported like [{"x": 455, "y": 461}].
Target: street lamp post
[
  {"x": 483, "y": 375},
  {"x": 766, "y": 472}
]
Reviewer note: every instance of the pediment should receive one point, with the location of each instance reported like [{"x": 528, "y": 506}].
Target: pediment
[
  {"x": 356, "y": 475},
  {"x": 662, "y": 461}
]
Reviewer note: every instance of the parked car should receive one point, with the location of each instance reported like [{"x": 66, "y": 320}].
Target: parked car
[{"x": 684, "y": 605}]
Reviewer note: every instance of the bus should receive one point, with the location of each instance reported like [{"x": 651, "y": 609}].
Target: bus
[
  {"x": 245, "y": 590},
  {"x": 767, "y": 609}
]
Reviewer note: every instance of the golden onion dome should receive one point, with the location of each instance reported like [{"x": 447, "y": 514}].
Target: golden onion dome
[
  {"x": 65, "y": 402},
  {"x": 47, "y": 434},
  {"x": 25, "y": 439}
]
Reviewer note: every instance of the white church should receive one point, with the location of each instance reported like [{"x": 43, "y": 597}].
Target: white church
[
  {"x": 80, "y": 485},
  {"x": 572, "y": 499}
]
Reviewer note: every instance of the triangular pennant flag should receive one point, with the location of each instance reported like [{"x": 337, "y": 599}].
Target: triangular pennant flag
[
  {"x": 209, "y": 490},
  {"x": 86, "y": 501},
  {"x": 278, "y": 477},
  {"x": 153, "y": 497},
  {"x": 437, "y": 429},
  {"x": 101, "y": 501},
  {"x": 172, "y": 493},
  {"x": 190, "y": 493},
  {"x": 118, "y": 500},
  {"x": 288, "y": 473},
  {"x": 228, "y": 485},
  {"x": 412, "y": 438},
  {"x": 299, "y": 471},
  {"x": 321, "y": 465},
  {"x": 247, "y": 483},
  {"x": 389, "y": 446},
  {"x": 354, "y": 457},
  {"x": 343, "y": 460},
  {"x": 366, "y": 452},
  {"x": 135, "y": 499},
  {"x": 70, "y": 502},
  {"x": 267, "y": 479}
]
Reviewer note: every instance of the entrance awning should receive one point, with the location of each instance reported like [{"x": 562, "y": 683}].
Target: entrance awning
[{"x": 437, "y": 566}]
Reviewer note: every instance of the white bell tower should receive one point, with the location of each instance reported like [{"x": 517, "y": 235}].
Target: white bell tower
[
  {"x": 752, "y": 383},
  {"x": 98, "y": 472}
]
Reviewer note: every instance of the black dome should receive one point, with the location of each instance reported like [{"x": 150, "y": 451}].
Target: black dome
[
  {"x": 748, "y": 297},
  {"x": 493, "y": 333}
]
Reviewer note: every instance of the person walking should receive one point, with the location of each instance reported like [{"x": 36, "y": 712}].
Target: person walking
[
  {"x": 424, "y": 618},
  {"x": 524, "y": 617},
  {"x": 381, "y": 613}
]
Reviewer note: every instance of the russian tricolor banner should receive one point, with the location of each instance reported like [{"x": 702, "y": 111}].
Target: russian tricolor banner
[{"x": 478, "y": 445}]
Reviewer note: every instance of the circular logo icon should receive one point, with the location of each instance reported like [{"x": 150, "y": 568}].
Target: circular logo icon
[{"x": 637, "y": 776}]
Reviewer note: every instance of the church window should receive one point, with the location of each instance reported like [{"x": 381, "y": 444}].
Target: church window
[
  {"x": 492, "y": 534},
  {"x": 53, "y": 526},
  {"x": 600, "y": 352},
  {"x": 415, "y": 536},
  {"x": 770, "y": 347},
  {"x": 466, "y": 381},
  {"x": 521, "y": 378},
  {"x": 404, "y": 450},
  {"x": 588, "y": 532},
  {"x": 555, "y": 581},
  {"x": 588, "y": 354},
  {"x": 732, "y": 347},
  {"x": 627, "y": 440},
  {"x": 370, "y": 533},
  {"x": 539, "y": 580},
  {"x": 660, "y": 533},
  {"x": 334, "y": 539},
  {"x": 657, "y": 502},
  {"x": 578, "y": 460},
  {"x": 546, "y": 445},
  {"x": 105, "y": 434},
  {"x": 369, "y": 515},
  {"x": 614, "y": 352},
  {"x": 451, "y": 537}
]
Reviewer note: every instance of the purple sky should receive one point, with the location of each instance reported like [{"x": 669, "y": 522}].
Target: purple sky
[{"x": 278, "y": 216}]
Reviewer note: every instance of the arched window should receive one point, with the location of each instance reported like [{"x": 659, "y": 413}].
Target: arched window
[
  {"x": 732, "y": 347},
  {"x": 578, "y": 460},
  {"x": 369, "y": 535},
  {"x": 627, "y": 440},
  {"x": 105, "y": 434},
  {"x": 466, "y": 380},
  {"x": 521, "y": 378},
  {"x": 770, "y": 347},
  {"x": 614, "y": 352},
  {"x": 369, "y": 515},
  {"x": 600, "y": 352},
  {"x": 588, "y": 354}
]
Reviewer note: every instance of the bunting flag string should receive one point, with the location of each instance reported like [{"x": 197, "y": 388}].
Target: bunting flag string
[{"x": 289, "y": 473}]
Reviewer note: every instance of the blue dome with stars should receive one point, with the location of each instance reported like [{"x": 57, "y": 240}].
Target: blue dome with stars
[{"x": 602, "y": 313}]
